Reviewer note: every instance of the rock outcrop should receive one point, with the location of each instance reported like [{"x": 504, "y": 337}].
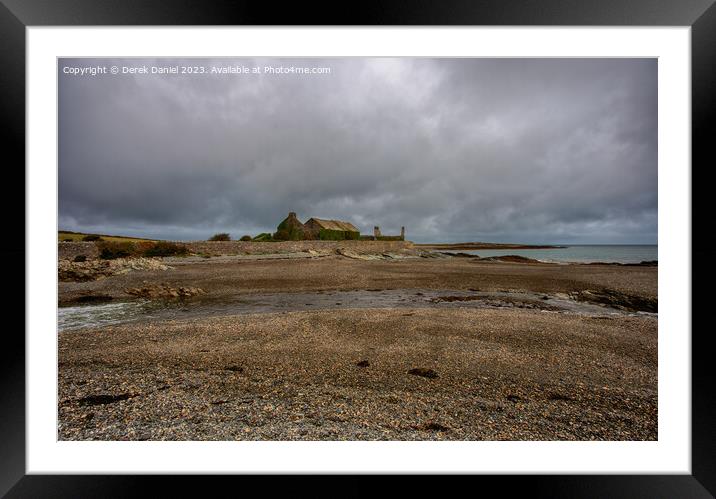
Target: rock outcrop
[
  {"x": 92, "y": 270},
  {"x": 163, "y": 290}
]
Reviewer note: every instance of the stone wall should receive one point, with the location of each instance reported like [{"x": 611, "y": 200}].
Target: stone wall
[
  {"x": 89, "y": 249},
  {"x": 71, "y": 250},
  {"x": 247, "y": 247}
]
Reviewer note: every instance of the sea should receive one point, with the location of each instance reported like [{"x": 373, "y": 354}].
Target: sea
[{"x": 580, "y": 253}]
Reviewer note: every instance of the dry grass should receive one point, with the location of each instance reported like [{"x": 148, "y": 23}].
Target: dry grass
[{"x": 77, "y": 236}]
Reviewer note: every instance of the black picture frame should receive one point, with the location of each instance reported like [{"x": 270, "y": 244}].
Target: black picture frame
[{"x": 700, "y": 15}]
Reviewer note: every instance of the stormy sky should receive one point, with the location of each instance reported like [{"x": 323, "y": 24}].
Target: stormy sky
[{"x": 503, "y": 150}]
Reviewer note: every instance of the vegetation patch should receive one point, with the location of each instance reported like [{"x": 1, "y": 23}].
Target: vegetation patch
[
  {"x": 69, "y": 236},
  {"x": 291, "y": 229},
  {"x": 223, "y": 236},
  {"x": 337, "y": 235},
  {"x": 164, "y": 248},
  {"x": 264, "y": 237},
  {"x": 109, "y": 250}
]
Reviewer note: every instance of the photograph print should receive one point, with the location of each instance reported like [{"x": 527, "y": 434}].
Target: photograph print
[{"x": 357, "y": 248}]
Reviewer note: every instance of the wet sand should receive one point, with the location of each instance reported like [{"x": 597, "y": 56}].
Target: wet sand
[
  {"x": 495, "y": 372},
  {"x": 227, "y": 277}
]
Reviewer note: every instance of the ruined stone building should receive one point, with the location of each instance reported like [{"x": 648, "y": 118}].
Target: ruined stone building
[
  {"x": 291, "y": 229},
  {"x": 320, "y": 228}
]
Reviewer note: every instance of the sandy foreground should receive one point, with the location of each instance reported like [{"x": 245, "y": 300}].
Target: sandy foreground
[{"x": 508, "y": 371}]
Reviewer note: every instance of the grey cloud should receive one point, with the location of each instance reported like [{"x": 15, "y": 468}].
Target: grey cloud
[{"x": 523, "y": 150}]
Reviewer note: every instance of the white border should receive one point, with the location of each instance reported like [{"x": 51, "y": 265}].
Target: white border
[{"x": 671, "y": 454}]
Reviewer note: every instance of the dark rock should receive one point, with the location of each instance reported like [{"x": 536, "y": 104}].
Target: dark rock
[
  {"x": 163, "y": 290},
  {"x": 463, "y": 255},
  {"x": 509, "y": 258},
  {"x": 80, "y": 258},
  {"x": 93, "y": 299},
  {"x": 617, "y": 299},
  {"x": 236, "y": 369},
  {"x": 559, "y": 396},
  {"x": 452, "y": 298},
  {"x": 433, "y": 426},
  {"x": 363, "y": 363},
  {"x": 423, "y": 372},
  {"x": 104, "y": 399}
]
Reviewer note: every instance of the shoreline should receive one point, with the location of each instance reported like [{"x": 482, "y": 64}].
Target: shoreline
[
  {"x": 232, "y": 276},
  {"x": 479, "y": 246},
  {"x": 103, "y": 310}
]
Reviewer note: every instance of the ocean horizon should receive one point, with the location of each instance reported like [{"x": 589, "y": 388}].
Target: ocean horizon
[{"x": 580, "y": 253}]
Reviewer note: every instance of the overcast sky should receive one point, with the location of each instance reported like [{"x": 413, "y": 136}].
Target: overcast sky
[{"x": 504, "y": 150}]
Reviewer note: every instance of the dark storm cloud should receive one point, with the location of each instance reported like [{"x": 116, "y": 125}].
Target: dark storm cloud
[{"x": 523, "y": 150}]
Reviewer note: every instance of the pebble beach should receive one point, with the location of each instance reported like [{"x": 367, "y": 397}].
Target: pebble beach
[{"x": 466, "y": 350}]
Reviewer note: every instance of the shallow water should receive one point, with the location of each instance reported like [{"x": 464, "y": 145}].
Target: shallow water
[
  {"x": 97, "y": 315},
  {"x": 580, "y": 254}
]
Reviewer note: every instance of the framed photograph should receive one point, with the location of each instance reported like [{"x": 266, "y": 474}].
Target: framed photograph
[{"x": 449, "y": 239}]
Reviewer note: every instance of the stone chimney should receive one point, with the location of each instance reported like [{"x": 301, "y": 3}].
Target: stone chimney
[
  {"x": 376, "y": 231},
  {"x": 402, "y": 232}
]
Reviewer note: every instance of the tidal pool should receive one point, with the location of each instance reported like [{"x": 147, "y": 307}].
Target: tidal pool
[{"x": 97, "y": 315}]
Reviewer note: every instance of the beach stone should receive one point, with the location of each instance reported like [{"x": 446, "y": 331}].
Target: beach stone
[
  {"x": 163, "y": 290},
  {"x": 423, "y": 372},
  {"x": 617, "y": 299},
  {"x": 434, "y": 426},
  {"x": 92, "y": 270}
]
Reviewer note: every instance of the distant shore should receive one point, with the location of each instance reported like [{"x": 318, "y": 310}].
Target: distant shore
[{"x": 482, "y": 246}]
